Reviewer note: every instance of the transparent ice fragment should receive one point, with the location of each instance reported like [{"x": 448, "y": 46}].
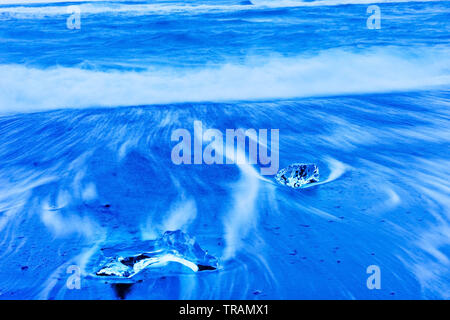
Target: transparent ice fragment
[
  {"x": 173, "y": 246},
  {"x": 298, "y": 174}
]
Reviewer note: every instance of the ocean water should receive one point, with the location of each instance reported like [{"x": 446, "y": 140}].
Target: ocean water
[{"x": 86, "y": 123}]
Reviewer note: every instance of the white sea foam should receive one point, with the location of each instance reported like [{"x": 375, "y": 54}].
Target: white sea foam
[
  {"x": 21, "y": 8},
  {"x": 333, "y": 72}
]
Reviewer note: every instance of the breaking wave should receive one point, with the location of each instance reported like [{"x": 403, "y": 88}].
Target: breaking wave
[
  {"x": 332, "y": 72},
  {"x": 46, "y": 8}
]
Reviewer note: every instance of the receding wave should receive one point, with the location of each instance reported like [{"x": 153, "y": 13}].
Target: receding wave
[{"x": 332, "y": 72}]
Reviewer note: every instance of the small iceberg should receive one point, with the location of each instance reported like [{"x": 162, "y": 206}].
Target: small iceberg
[
  {"x": 173, "y": 246},
  {"x": 298, "y": 174}
]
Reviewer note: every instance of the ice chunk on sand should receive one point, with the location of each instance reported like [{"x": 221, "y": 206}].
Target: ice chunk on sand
[
  {"x": 173, "y": 246},
  {"x": 298, "y": 174}
]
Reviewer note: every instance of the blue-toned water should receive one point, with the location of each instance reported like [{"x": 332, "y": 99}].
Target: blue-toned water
[{"x": 87, "y": 116}]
